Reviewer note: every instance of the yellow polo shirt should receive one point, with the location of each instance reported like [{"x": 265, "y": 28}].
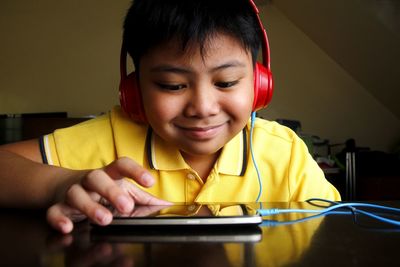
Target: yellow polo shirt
[{"x": 288, "y": 172}]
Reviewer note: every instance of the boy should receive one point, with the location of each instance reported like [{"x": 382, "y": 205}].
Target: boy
[{"x": 195, "y": 64}]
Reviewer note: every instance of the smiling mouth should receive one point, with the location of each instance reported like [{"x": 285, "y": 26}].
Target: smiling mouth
[{"x": 201, "y": 133}]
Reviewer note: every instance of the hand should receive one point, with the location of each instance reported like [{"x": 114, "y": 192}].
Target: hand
[{"x": 83, "y": 200}]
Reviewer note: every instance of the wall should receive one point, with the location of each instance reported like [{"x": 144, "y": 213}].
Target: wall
[
  {"x": 311, "y": 87},
  {"x": 60, "y": 55},
  {"x": 64, "y": 56}
]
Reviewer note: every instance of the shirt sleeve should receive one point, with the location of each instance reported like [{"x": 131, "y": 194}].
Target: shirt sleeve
[
  {"x": 48, "y": 150},
  {"x": 87, "y": 145}
]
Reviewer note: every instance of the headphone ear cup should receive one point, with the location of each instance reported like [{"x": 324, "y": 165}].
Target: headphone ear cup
[
  {"x": 263, "y": 87},
  {"x": 131, "y": 99}
]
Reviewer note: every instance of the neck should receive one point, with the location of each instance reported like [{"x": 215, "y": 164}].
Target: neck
[{"x": 201, "y": 164}]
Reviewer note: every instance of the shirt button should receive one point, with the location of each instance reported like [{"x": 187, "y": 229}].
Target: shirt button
[
  {"x": 191, "y": 176},
  {"x": 191, "y": 207}
]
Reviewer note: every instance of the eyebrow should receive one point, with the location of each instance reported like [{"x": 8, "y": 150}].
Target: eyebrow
[
  {"x": 178, "y": 69},
  {"x": 229, "y": 64}
]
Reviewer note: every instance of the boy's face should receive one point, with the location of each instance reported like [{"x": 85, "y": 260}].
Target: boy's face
[{"x": 198, "y": 102}]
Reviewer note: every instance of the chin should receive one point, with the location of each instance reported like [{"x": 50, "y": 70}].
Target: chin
[{"x": 201, "y": 150}]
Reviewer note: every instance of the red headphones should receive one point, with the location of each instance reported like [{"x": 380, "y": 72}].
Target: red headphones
[{"x": 131, "y": 99}]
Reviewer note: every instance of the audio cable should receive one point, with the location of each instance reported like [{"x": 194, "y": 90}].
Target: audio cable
[
  {"x": 253, "y": 118},
  {"x": 352, "y": 208}
]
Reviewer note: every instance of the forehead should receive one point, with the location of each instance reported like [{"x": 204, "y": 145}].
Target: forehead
[{"x": 217, "y": 46}]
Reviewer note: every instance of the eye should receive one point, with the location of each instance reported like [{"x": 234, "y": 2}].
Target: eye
[
  {"x": 226, "y": 84},
  {"x": 171, "y": 87}
]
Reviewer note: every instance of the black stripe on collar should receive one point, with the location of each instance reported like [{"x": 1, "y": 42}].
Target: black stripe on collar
[
  {"x": 244, "y": 163},
  {"x": 148, "y": 147}
]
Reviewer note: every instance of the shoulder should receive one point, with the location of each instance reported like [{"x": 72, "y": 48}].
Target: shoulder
[
  {"x": 88, "y": 144},
  {"x": 274, "y": 131},
  {"x": 103, "y": 125},
  {"x": 95, "y": 123},
  {"x": 93, "y": 143},
  {"x": 124, "y": 127},
  {"x": 279, "y": 142}
]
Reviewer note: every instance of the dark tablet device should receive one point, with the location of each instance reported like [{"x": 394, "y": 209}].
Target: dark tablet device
[
  {"x": 183, "y": 223},
  {"x": 188, "y": 215}
]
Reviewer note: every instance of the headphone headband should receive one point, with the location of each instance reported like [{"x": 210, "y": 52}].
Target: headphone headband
[{"x": 264, "y": 44}]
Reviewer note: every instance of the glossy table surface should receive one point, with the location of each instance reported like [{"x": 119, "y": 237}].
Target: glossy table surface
[{"x": 332, "y": 240}]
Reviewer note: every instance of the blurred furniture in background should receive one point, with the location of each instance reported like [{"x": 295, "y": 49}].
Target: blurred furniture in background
[
  {"x": 18, "y": 127},
  {"x": 357, "y": 172},
  {"x": 370, "y": 175},
  {"x": 377, "y": 175},
  {"x": 350, "y": 176}
]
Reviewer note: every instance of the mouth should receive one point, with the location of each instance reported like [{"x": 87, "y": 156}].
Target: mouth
[{"x": 201, "y": 133}]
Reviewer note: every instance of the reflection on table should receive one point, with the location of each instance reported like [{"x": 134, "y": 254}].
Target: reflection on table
[{"x": 333, "y": 240}]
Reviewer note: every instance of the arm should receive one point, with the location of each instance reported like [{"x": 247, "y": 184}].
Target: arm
[{"x": 26, "y": 182}]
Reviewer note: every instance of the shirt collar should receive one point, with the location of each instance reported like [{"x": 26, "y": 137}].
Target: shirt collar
[{"x": 163, "y": 156}]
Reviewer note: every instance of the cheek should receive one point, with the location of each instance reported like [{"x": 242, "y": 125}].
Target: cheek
[
  {"x": 159, "y": 108},
  {"x": 241, "y": 103}
]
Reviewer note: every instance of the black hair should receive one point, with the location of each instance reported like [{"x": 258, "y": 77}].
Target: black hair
[{"x": 149, "y": 23}]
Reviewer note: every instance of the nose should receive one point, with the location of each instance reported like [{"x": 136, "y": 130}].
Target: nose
[{"x": 203, "y": 101}]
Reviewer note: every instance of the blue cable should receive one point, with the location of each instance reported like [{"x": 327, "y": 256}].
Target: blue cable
[
  {"x": 276, "y": 223},
  {"x": 379, "y": 218},
  {"x": 253, "y": 118},
  {"x": 266, "y": 212},
  {"x": 375, "y": 206},
  {"x": 325, "y": 211}
]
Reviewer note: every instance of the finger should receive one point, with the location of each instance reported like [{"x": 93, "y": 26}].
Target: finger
[
  {"x": 79, "y": 199},
  {"x": 99, "y": 182},
  {"x": 57, "y": 217},
  {"x": 96, "y": 197},
  {"x": 142, "y": 211},
  {"x": 126, "y": 167},
  {"x": 143, "y": 198}
]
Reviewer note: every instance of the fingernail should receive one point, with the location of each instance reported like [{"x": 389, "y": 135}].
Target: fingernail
[
  {"x": 102, "y": 217},
  {"x": 124, "y": 204},
  {"x": 147, "y": 179},
  {"x": 65, "y": 227},
  {"x": 62, "y": 226}
]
